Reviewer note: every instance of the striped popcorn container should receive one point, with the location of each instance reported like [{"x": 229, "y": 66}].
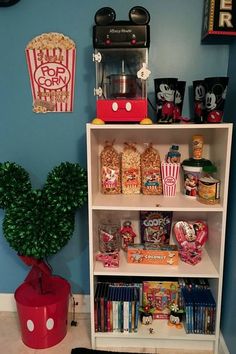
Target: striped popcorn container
[
  {"x": 51, "y": 61},
  {"x": 170, "y": 173}
]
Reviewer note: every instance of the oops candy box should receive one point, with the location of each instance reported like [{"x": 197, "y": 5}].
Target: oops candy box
[
  {"x": 153, "y": 254},
  {"x": 155, "y": 226}
]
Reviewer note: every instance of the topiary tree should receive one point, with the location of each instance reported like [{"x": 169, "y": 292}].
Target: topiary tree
[{"x": 38, "y": 223}]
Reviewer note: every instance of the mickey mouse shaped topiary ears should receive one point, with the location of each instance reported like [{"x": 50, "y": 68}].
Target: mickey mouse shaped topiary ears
[
  {"x": 38, "y": 223},
  {"x": 14, "y": 181},
  {"x": 66, "y": 186}
]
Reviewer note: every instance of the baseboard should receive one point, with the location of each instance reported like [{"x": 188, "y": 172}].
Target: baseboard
[
  {"x": 82, "y": 303},
  {"x": 7, "y": 303},
  {"x": 222, "y": 346}
]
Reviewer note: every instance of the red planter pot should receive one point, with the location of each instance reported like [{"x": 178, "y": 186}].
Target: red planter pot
[{"x": 43, "y": 317}]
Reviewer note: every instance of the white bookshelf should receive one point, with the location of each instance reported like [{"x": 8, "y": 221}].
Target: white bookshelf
[{"x": 217, "y": 148}]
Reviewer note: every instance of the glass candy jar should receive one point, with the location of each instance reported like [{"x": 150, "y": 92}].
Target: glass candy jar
[{"x": 109, "y": 237}]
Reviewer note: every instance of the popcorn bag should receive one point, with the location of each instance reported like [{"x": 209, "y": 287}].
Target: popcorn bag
[
  {"x": 170, "y": 173},
  {"x": 131, "y": 169},
  {"x": 51, "y": 64},
  {"x": 151, "y": 171},
  {"x": 110, "y": 170}
]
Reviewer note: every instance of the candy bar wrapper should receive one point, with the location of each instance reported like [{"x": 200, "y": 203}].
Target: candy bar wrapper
[
  {"x": 170, "y": 173},
  {"x": 151, "y": 253}
]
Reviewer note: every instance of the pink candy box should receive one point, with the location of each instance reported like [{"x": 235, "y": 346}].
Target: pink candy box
[
  {"x": 191, "y": 237},
  {"x": 109, "y": 260}
]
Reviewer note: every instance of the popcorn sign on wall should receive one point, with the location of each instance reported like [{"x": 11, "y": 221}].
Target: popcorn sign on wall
[{"x": 51, "y": 64}]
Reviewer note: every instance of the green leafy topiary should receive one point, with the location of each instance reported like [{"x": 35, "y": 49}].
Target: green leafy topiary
[
  {"x": 14, "y": 182},
  {"x": 66, "y": 186},
  {"x": 38, "y": 223}
]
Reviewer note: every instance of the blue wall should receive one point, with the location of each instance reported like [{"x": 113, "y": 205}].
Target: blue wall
[
  {"x": 39, "y": 142},
  {"x": 229, "y": 304}
]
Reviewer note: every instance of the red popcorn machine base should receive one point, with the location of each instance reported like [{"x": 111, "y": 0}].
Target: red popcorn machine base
[
  {"x": 43, "y": 317},
  {"x": 122, "y": 110}
]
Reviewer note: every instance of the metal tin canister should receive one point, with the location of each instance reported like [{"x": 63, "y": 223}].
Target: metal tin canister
[{"x": 209, "y": 190}]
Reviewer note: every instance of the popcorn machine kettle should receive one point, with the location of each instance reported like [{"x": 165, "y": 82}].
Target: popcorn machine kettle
[{"x": 121, "y": 59}]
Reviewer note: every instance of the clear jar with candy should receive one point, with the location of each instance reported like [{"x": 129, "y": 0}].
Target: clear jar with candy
[{"x": 109, "y": 237}]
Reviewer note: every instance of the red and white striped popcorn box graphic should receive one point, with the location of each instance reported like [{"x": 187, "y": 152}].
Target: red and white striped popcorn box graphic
[
  {"x": 52, "y": 79},
  {"x": 170, "y": 173}
]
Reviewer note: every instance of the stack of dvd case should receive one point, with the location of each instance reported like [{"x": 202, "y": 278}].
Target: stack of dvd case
[
  {"x": 116, "y": 307},
  {"x": 200, "y": 310}
]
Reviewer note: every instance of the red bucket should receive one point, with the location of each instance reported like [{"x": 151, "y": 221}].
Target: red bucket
[{"x": 43, "y": 317}]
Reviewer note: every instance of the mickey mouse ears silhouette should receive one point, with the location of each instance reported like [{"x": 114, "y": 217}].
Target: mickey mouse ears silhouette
[
  {"x": 39, "y": 222},
  {"x": 216, "y": 85},
  {"x": 106, "y": 16}
]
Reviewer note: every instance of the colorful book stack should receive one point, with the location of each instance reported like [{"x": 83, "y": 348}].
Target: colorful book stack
[
  {"x": 200, "y": 309},
  {"x": 116, "y": 307}
]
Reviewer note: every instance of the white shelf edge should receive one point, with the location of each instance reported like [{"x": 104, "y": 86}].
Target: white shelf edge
[
  {"x": 186, "y": 336},
  {"x": 205, "y": 269},
  {"x": 136, "y": 126},
  {"x": 117, "y": 208},
  {"x": 161, "y": 332},
  {"x": 151, "y": 202}
]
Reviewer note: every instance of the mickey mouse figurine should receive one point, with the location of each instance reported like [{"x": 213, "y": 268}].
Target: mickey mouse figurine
[
  {"x": 127, "y": 234},
  {"x": 176, "y": 316}
]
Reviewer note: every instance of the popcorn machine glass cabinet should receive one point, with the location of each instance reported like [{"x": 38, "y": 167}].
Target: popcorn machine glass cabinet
[{"x": 121, "y": 83}]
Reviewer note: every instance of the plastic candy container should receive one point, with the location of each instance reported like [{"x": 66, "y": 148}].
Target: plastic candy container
[
  {"x": 197, "y": 145},
  {"x": 173, "y": 154},
  {"x": 191, "y": 237},
  {"x": 192, "y": 169},
  {"x": 127, "y": 235}
]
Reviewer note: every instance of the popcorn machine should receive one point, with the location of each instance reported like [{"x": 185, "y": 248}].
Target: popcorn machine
[{"x": 121, "y": 59}]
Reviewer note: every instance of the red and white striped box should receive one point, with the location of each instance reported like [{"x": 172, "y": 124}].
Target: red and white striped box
[
  {"x": 52, "y": 78},
  {"x": 170, "y": 174}
]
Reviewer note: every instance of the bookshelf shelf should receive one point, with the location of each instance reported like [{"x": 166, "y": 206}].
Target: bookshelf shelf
[
  {"x": 161, "y": 330},
  {"x": 152, "y": 202},
  {"x": 205, "y": 269},
  {"x": 217, "y": 148},
  {"x": 162, "y": 337}
]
